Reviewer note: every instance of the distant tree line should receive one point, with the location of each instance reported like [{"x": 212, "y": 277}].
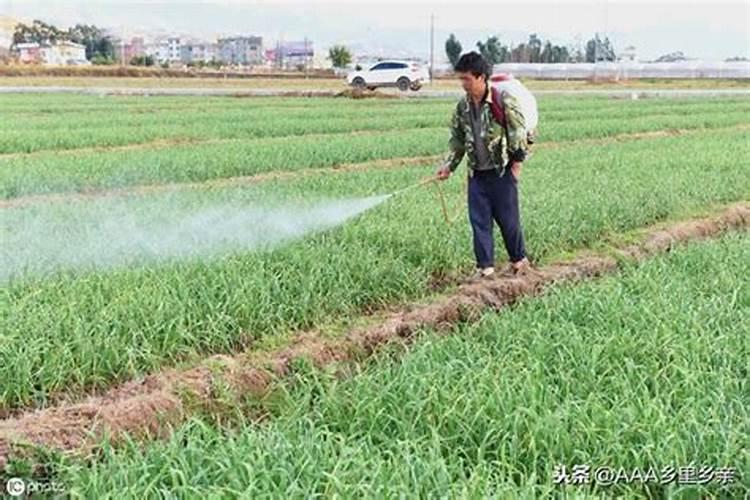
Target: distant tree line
[{"x": 534, "y": 50}]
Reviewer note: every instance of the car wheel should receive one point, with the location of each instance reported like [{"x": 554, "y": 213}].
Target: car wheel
[
  {"x": 403, "y": 84},
  {"x": 358, "y": 83}
]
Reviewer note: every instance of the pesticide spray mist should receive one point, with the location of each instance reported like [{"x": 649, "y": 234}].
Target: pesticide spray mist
[{"x": 111, "y": 233}]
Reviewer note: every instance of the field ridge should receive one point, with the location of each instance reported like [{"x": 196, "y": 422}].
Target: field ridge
[{"x": 149, "y": 407}]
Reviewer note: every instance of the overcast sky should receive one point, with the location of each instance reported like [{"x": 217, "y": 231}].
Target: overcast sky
[{"x": 706, "y": 30}]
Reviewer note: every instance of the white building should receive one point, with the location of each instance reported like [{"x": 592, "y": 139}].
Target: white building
[
  {"x": 196, "y": 51},
  {"x": 174, "y": 48},
  {"x": 63, "y": 53},
  {"x": 291, "y": 55},
  {"x": 159, "y": 51},
  {"x": 126, "y": 51},
  {"x": 28, "y": 53},
  {"x": 241, "y": 50}
]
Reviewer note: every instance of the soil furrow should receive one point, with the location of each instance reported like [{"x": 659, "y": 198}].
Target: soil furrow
[{"x": 148, "y": 408}]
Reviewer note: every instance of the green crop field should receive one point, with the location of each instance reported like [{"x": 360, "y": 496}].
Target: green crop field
[
  {"x": 613, "y": 374},
  {"x": 146, "y": 233}
]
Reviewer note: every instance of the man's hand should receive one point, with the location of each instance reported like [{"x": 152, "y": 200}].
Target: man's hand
[
  {"x": 443, "y": 173},
  {"x": 515, "y": 169}
]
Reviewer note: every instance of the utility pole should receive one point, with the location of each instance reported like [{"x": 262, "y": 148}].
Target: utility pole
[
  {"x": 279, "y": 49},
  {"x": 432, "y": 48},
  {"x": 306, "y": 58}
]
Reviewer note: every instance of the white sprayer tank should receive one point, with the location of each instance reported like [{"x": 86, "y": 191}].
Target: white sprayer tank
[{"x": 527, "y": 101}]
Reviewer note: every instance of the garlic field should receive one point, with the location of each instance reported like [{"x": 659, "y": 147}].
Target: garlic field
[{"x": 143, "y": 234}]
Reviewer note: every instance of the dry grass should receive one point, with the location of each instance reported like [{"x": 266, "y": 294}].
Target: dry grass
[{"x": 133, "y": 77}]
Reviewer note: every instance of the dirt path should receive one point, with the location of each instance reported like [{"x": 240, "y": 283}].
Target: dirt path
[
  {"x": 386, "y": 163},
  {"x": 147, "y": 408}
]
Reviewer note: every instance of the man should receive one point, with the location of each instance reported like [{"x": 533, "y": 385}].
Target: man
[{"x": 494, "y": 155}]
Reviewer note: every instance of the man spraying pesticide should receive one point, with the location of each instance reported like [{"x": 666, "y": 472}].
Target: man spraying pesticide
[{"x": 490, "y": 127}]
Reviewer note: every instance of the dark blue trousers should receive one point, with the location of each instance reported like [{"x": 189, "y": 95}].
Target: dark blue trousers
[{"x": 492, "y": 197}]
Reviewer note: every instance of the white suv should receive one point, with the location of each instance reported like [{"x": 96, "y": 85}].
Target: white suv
[{"x": 402, "y": 74}]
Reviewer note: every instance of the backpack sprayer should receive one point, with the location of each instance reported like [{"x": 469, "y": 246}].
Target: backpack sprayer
[{"x": 527, "y": 102}]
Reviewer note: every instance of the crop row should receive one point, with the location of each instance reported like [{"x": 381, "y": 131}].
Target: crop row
[
  {"x": 191, "y": 113},
  {"x": 101, "y": 326},
  {"x": 51, "y": 172},
  {"x": 614, "y": 373}
]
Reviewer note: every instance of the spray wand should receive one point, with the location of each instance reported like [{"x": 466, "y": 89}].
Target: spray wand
[
  {"x": 423, "y": 182},
  {"x": 441, "y": 195}
]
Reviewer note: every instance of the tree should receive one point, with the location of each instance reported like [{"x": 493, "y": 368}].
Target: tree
[
  {"x": 491, "y": 50},
  {"x": 547, "y": 53},
  {"x": 561, "y": 54},
  {"x": 339, "y": 56},
  {"x": 672, "y": 57},
  {"x": 535, "y": 48},
  {"x": 519, "y": 53},
  {"x": 591, "y": 48},
  {"x": 577, "y": 55},
  {"x": 143, "y": 61},
  {"x": 38, "y": 32},
  {"x": 453, "y": 49},
  {"x": 599, "y": 50},
  {"x": 554, "y": 54},
  {"x": 609, "y": 50},
  {"x": 99, "y": 59},
  {"x": 505, "y": 54},
  {"x": 96, "y": 42}
]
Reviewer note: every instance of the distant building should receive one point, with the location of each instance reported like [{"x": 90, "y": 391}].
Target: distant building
[
  {"x": 126, "y": 51},
  {"x": 28, "y": 53},
  {"x": 64, "y": 53},
  {"x": 290, "y": 55},
  {"x": 61, "y": 53},
  {"x": 174, "y": 49},
  {"x": 245, "y": 50},
  {"x": 136, "y": 48},
  {"x": 165, "y": 51},
  {"x": 158, "y": 50},
  {"x": 269, "y": 55},
  {"x": 196, "y": 51}
]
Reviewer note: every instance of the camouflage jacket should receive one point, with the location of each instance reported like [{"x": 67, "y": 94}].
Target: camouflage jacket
[{"x": 502, "y": 149}]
